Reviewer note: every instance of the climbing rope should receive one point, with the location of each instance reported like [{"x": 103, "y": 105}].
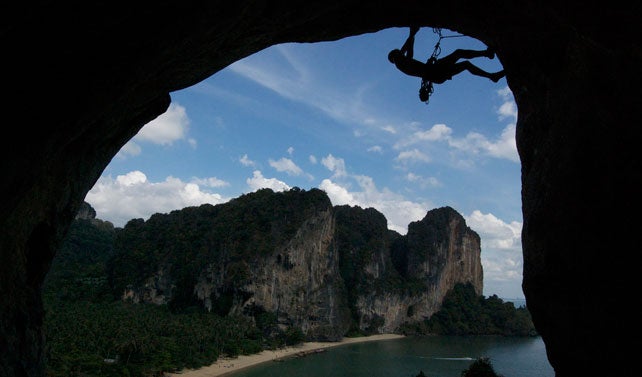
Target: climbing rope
[
  {"x": 426, "y": 89},
  {"x": 437, "y": 49}
]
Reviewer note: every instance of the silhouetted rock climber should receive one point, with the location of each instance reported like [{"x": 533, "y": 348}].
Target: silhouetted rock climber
[{"x": 438, "y": 70}]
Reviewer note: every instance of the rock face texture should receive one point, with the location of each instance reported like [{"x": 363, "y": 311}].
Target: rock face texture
[
  {"x": 305, "y": 285},
  {"x": 83, "y": 79},
  {"x": 395, "y": 279},
  {"x": 254, "y": 253},
  {"x": 444, "y": 250},
  {"x": 326, "y": 270},
  {"x": 86, "y": 212}
]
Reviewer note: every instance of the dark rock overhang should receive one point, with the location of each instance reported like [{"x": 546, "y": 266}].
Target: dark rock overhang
[{"x": 82, "y": 78}]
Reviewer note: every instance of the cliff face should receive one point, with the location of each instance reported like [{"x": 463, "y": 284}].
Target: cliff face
[
  {"x": 261, "y": 252},
  {"x": 324, "y": 270},
  {"x": 438, "y": 252},
  {"x": 444, "y": 251},
  {"x": 298, "y": 280},
  {"x": 86, "y": 212}
]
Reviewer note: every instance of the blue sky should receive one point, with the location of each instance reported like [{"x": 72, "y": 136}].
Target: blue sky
[{"x": 340, "y": 117}]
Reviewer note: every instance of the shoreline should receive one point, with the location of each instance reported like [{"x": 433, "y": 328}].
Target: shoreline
[{"x": 228, "y": 365}]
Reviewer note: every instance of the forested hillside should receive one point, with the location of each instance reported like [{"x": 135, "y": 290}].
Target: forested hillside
[{"x": 261, "y": 271}]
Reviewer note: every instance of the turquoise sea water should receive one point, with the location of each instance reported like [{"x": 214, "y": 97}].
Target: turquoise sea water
[
  {"x": 436, "y": 356},
  {"x": 518, "y": 302}
]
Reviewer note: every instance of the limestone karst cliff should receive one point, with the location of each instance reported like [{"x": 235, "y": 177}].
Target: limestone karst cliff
[
  {"x": 398, "y": 279},
  {"x": 325, "y": 270}
]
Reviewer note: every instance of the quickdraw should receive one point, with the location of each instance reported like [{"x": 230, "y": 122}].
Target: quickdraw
[{"x": 426, "y": 89}]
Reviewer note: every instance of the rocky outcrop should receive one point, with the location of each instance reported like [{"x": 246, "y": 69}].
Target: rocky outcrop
[
  {"x": 262, "y": 252},
  {"x": 574, "y": 67},
  {"x": 301, "y": 283},
  {"x": 86, "y": 212},
  {"x": 443, "y": 250},
  {"x": 438, "y": 252},
  {"x": 331, "y": 272},
  {"x": 156, "y": 289},
  {"x": 297, "y": 280}
]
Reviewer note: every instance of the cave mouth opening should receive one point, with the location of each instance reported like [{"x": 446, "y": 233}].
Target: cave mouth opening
[
  {"x": 337, "y": 127},
  {"x": 336, "y": 116},
  {"x": 526, "y": 38}
]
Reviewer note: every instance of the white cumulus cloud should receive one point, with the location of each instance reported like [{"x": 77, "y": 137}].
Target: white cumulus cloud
[
  {"x": 210, "y": 182},
  {"x": 398, "y": 211},
  {"x": 473, "y": 144},
  {"x": 503, "y": 147},
  {"x": 436, "y": 133},
  {"x": 410, "y": 156},
  {"x": 501, "y": 252},
  {"x": 245, "y": 161},
  {"x": 129, "y": 149},
  {"x": 286, "y": 165},
  {"x": 258, "y": 181},
  {"x": 496, "y": 233},
  {"x": 389, "y": 128},
  {"x": 335, "y": 165},
  {"x": 170, "y": 126},
  {"x": 508, "y": 109},
  {"x": 423, "y": 182},
  {"x": 132, "y": 196}
]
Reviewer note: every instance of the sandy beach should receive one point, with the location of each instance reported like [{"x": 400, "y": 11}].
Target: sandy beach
[{"x": 225, "y": 365}]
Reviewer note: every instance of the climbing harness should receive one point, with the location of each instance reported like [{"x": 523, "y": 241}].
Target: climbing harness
[{"x": 426, "y": 89}]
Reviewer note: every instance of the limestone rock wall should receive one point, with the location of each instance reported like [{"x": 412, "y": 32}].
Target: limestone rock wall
[
  {"x": 335, "y": 272},
  {"x": 444, "y": 251},
  {"x": 438, "y": 252},
  {"x": 156, "y": 289},
  {"x": 301, "y": 281}
]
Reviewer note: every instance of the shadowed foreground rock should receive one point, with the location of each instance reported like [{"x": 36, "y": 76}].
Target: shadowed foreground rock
[{"x": 82, "y": 78}]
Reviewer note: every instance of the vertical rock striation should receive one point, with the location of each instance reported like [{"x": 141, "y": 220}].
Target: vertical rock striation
[
  {"x": 264, "y": 251},
  {"x": 324, "y": 270},
  {"x": 300, "y": 281},
  {"x": 438, "y": 252},
  {"x": 444, "y": 251}
]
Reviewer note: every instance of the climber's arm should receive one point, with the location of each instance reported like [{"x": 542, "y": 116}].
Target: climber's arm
[{"x": 408, "y": 47}]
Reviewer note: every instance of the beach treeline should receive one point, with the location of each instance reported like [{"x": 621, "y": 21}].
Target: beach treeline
[
  {"x": 91, "y": 329},
  {"x": 91, "y": 332}
]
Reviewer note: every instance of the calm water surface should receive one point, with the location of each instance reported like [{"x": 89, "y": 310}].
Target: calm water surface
[{"x": 436, "y": 356}]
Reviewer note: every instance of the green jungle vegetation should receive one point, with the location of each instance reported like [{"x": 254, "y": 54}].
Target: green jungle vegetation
[
  {"x": 91, "y": 331},
  {"x": 362, "y": 236},
  {"x": 463, "y": 312},
  {"x": 481, "y": 367}
]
